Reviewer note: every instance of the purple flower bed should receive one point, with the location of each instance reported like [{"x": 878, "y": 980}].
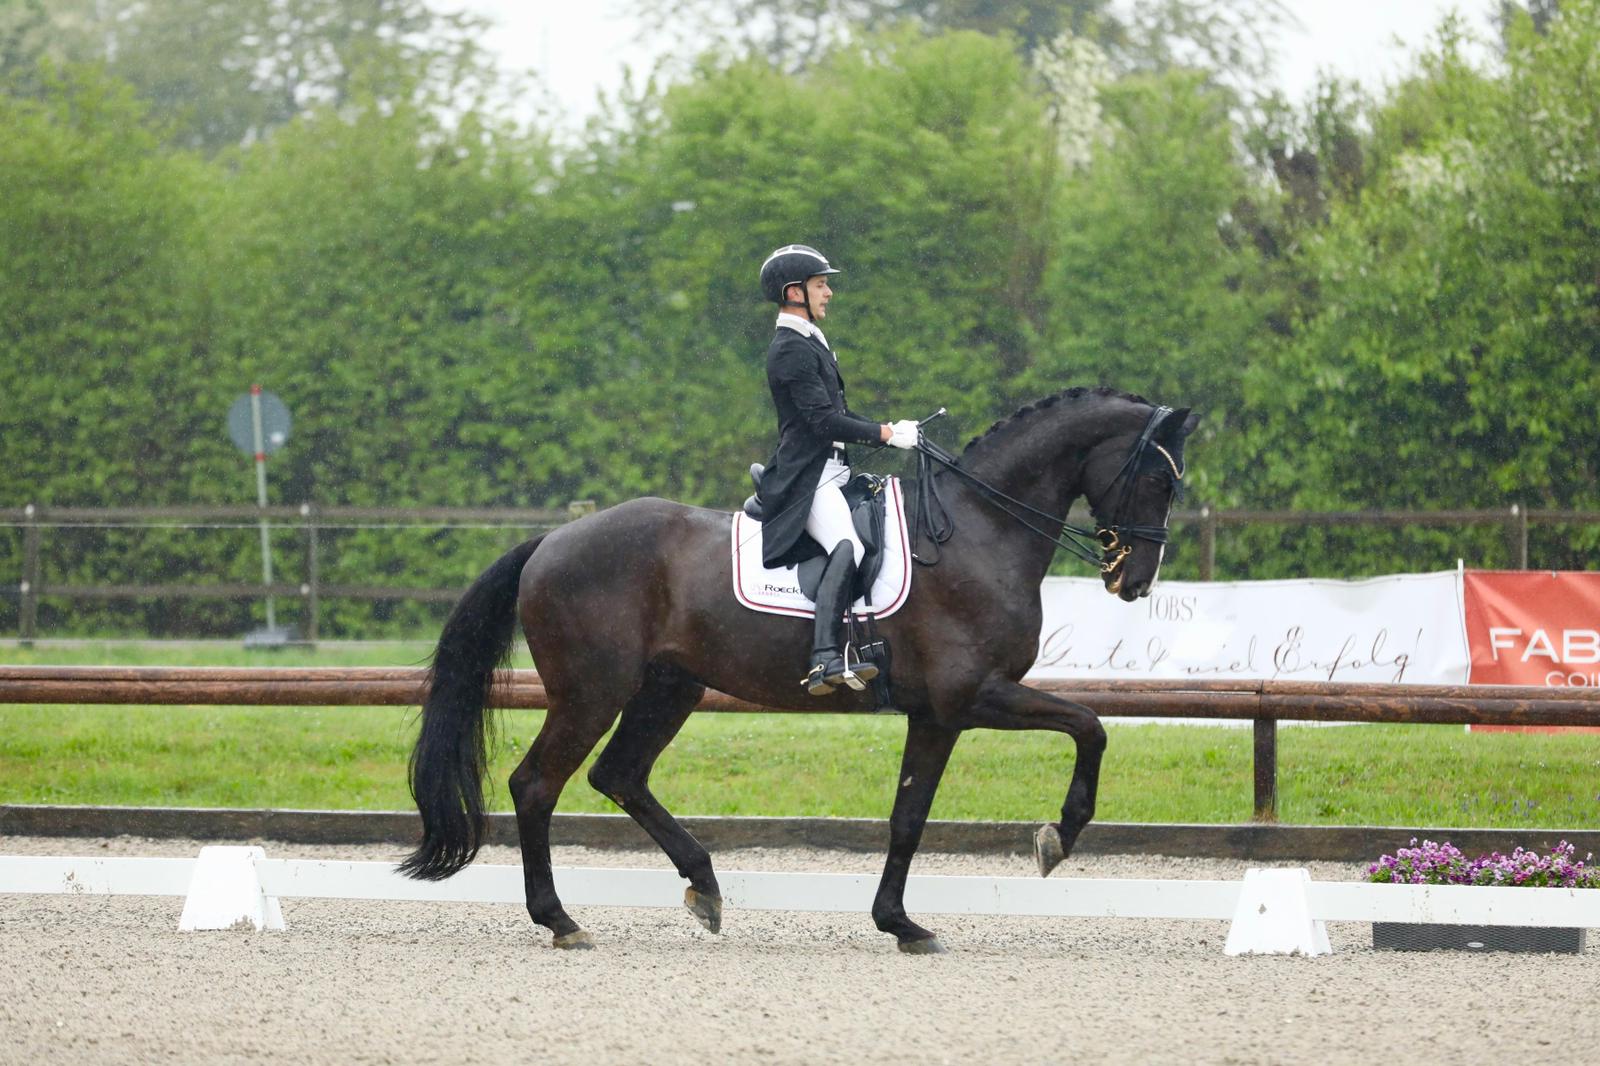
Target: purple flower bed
[{"x": 1443, "y": 864}]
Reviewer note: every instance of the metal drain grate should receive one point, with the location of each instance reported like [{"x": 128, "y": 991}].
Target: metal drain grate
[{"x": 1431, "y": 936}]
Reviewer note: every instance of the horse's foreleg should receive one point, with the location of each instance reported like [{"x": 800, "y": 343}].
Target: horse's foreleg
[
  {"x": 1003, "y": 704},
  {"x": 928, "y": 747},
  {"x": 622, "y": 773}
]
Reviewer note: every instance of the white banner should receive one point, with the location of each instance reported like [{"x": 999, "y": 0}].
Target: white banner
[{"x": 1403, "y": 628}]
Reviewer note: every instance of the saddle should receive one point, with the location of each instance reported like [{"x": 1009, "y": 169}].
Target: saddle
[{"x": 865, "y": 497}]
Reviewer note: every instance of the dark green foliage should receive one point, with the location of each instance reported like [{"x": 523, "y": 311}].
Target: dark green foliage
[
  {"x": 102, "y": 364},
  {"x": 99, "y": 238},
  {"x": 1374, "y": 304},
  {"x": 1147, "y": 294},
  {"x": 1449, "y": 358}
]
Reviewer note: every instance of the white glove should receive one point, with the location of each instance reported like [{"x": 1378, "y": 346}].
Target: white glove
[{"x": 903, "y": 434}]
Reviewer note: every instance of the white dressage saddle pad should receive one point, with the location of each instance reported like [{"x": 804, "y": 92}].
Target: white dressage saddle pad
[{"x": 778, "y": 591}]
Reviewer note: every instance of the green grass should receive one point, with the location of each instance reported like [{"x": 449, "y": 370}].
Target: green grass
[{"x": 780, "y": 764}]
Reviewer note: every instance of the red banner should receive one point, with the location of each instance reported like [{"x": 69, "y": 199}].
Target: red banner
[{"x": 1533, "y": 628}]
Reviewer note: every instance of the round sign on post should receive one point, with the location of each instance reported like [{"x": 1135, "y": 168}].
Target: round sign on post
[{"x": 274, "y": 424}]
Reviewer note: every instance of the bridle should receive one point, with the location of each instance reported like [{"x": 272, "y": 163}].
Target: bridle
[
  {"x": 1107, "y": 546},
  {"x": 1114, "y": 538}
]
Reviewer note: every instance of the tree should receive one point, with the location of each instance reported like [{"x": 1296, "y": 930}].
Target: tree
[
  {"x": 1511, "y": 12},
  {"x": 217, "y": 75},
  {"x": 99, "y": 274},
  {"x": 24, "y": 30},
  {"x": 1450, "y": 362},
  {"x": 922, "y": 165},
  {"x": 1144, "y": 293},
  {"x": 1223, "y": 36},
  {"x": 373, "y": 264},
  {"x": 100, "y": 364}
]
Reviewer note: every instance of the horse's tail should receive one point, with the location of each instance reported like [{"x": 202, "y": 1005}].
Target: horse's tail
[{"x": 449, "y": 761}]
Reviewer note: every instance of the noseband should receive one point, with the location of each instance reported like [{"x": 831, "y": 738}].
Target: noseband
[{"x": 1107, "y": 546}]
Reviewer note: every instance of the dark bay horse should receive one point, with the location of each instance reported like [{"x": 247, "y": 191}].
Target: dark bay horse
[{"x": 631, "y": 612}]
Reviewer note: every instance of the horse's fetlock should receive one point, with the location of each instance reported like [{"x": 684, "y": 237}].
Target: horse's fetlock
[
  {"x": 553, "y": 917},
  {"x": 699, "y": 873}
]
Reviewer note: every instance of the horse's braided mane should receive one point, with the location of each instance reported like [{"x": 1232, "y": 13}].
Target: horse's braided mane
[{"x": 1074, "y": 393}]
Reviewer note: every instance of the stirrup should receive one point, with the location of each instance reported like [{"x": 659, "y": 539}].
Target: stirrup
[
  {"x": 839, "y": 672},
  {"x": 864, "y": 669}
]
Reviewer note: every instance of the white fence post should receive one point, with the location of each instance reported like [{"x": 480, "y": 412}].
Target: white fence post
[
  {"x": 1273, "y": 916},
  {"x": 225, "y": 893}
]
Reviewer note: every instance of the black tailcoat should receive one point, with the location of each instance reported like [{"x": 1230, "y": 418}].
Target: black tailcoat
[{"x": 809, "y": 395}]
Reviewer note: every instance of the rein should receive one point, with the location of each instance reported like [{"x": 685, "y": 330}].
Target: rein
[{"x": 1105, "y": 546}]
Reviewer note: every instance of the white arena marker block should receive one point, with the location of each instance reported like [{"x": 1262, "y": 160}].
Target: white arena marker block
[
  {"x": 225, "y": 893},
  {"x": 1273, "y": 916}
]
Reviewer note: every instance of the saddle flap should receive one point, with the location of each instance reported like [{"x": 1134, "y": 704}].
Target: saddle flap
[
  {"x": 864, "y": 496},
  {"x": 791, "y": 591},
  {"x": 868, "y": 515}
]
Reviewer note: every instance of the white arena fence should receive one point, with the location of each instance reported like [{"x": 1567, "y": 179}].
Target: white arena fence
[{"x": 1271, "y": 911}]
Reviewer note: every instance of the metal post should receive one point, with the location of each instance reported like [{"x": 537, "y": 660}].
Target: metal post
[
  {"x": 1208, "y": 543},
  {"x": 1521, "y": 518},
  {"x": 261, "y": 498},
  {"x": 309, "y": 588},
  {"x": 1266, "y": 769},
  {"x": 28, "y": 603}
]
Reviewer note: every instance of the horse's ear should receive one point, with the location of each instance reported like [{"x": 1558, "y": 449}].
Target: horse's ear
[{"x": 1177, "y": 425}]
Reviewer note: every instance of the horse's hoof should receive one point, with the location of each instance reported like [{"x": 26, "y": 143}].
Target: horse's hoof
[
  {"x": 928, "y": 945},
  {"x": 577, "y": 940},
  {"x": 707, "y": 909},
  {"x": 1047, "y": 849}
]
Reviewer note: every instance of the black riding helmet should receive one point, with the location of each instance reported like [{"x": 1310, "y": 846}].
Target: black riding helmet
[{"x": 793, "y": 264}]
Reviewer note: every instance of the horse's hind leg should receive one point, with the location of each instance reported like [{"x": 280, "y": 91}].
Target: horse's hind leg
[
  {"x": 622, "y": 772},
  {"x": 571, "y": 730}
]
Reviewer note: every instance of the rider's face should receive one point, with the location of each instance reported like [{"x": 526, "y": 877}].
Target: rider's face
[{"x": 819, "y": 292}]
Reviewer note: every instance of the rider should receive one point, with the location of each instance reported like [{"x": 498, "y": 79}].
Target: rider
[{"x": 801, "y": 491}]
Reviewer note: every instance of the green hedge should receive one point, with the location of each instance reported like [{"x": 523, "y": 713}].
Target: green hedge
[{"x": 470, "y": 313}]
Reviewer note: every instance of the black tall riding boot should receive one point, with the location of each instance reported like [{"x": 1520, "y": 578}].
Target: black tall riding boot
[{"x": 830, "y": 665}]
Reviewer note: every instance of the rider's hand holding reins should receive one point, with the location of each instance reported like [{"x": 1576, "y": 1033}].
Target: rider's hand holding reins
[{"x": 902, "y": 434}]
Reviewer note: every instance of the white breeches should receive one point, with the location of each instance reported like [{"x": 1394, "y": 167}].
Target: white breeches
[{"x": 829, "y": 521}]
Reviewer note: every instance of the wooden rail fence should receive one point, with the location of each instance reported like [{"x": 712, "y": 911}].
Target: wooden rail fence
[
  {"x": 311, "y": 521},
  {"x": 1265, "y": 703}
]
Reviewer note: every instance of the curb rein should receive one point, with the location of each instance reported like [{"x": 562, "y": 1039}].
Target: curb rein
[{"x": 1105, "y": 546}]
